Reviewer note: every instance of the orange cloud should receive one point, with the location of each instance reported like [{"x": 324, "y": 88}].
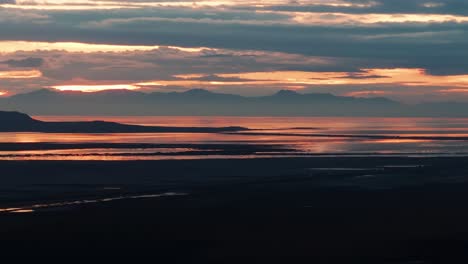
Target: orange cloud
[
  {"x": 20, "y": 74},
  {"x": 196, "y": 83},
  {"x": 400, "y": 76},
  {"x": 90, "y": 4},
  {"x": 14, "y": 46},
  {"x": 298, "y": 80},
  {"x": 345, "y": 18},
  {"x": 367, "y": 93},
  {"x": 454, "y": 90},
  {"x": 95, "y": 88}
]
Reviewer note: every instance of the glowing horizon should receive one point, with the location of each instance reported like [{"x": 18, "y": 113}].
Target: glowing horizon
[
  {"x": 297, "y": 80},
  {"x": 95, "y": 88},
  {"x": 15, "y": 46},
  {"x": 28, "y": 74}
]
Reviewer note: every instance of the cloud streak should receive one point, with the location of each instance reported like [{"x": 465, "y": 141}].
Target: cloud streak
[{"x": 345, "y": 46}]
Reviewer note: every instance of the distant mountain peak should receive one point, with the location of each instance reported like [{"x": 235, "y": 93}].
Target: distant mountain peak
[
  {"x": 287, "y": 93},
  {"x": 198, "y": 91},
  {"x": 37, "y": 93},
  {"x": 206, "y": 94}
]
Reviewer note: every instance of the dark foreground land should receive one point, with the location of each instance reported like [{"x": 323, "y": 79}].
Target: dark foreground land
[{"x": 328, "y": 210}]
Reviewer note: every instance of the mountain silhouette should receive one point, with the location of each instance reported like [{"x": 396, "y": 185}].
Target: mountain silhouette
[
  {"x": 205, "y": 103},
  {"x": 19, "y": 122}
]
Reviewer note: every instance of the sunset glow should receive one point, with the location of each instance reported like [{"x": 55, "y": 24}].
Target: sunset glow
[
  {"x": 412, "y": 77},
  {"x": 298, "y": 80},
  {"x": 20, "y": 74},
  {"x": 88, "y": 4},
  {"x": 14, "y": 46},
  {"x": 343, "y": 18},
  {"x": 412, "y": 51},
  {"x": 95, "y": 88},
  {"x": 368, "y": 93}
]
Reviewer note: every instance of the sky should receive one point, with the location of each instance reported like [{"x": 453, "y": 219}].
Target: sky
[{"x": 408, "y": 50}]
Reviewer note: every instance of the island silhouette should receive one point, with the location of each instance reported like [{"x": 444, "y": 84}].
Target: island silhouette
[{"x": 20, "y": 122}]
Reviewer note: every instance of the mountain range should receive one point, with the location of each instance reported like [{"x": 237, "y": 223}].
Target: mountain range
[{"x": 205, "y": 103}]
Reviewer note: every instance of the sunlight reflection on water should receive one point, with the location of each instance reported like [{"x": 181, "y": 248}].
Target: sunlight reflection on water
[
  {"x": 393, "y": 127},
  {"x": 32, "y": 208}
]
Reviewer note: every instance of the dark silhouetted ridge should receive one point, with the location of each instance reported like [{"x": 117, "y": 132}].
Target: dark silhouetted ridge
[
  {"x": 12, "y": 117},
  {"x": 19, "y": 122}
]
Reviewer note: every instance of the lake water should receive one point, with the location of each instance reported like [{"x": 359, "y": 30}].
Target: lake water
[{"x": 301, "y": 135}]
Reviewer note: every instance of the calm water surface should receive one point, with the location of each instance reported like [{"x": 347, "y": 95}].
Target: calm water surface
[{"x": 281, "y": 129}]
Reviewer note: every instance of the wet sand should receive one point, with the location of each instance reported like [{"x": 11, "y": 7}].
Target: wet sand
[{"x": 330, "y": 210}]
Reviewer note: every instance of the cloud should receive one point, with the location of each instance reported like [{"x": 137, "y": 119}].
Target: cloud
[
  {"x": 24, "y": 63},
  {"x": 455, "y": 7},
  {"x": 150, "y": 41},
  {"x": 164, "y": 63},
  {"x": 20, "y": 74},
  {"x": 15, "y": 18}
]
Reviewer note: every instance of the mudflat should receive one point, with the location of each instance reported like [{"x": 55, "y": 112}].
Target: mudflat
[{"x": 328, "y": 209}]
